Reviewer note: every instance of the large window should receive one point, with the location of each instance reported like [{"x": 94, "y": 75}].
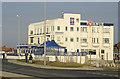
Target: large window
[
  {"x": 83, "y": 29},
  {"x": 71, "y": 28},
  {"x": 58, "y": 27},
  {"x": 84, "y": 40},
  {"x": 106, "y": 40}
]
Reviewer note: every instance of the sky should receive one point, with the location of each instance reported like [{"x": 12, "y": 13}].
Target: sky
[
  {"x": 61, "y": 0},
  {"x": 31, "y": 12}
]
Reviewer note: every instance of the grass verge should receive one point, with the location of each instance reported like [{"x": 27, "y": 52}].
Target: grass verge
[{"x": 57, "y": 64}]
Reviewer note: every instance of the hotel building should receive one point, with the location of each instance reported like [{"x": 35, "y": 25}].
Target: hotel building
[{"x": 76, "y": 35}]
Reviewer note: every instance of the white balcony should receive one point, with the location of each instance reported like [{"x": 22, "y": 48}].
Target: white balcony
[
  {"x": 106, "y": 44},
  {"x": 95, "y": 44},
  {"x": 84, "y": 44}
]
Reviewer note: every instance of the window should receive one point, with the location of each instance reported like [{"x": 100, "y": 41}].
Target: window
[
  {"x": 65, "y": 39},
  {"x": 95, "y": 40},
  {"x": 37, "y": 30},
  {"x": 95, "y": 29},
  {"x": 77, "y": 28},
  {"x": 31, "y": 32},
  {"x": 38, "y": 41},
  {"x": 47, "y": 39},
  {"x": 77, "y": 39},
  {"x": 58, "y": 38},
  {"x": 53, "y": 28},
  {"x": 31, "y": 39},
  {"x": 77, "y": 20},
  {"x": 84, "y": 40},
  {"x": 93, "y": 52},
  {"x": 77, "y": 50},
  {"x": 83, "y": 29},
  {"x": 53, "y": 37},
  {"x": 71, "y": 39},
  {"x": 102, "y": 51},
  {"x": 41, "y": 30},
  {"x": 65, "y": 28},
  {"x": 71, "y": 29},
  {"x": 58, "y": 27},
  {"x": 47, "y": 29},
  {"x": 106, "y": 30},
  {"x": 106, "y": 40}
]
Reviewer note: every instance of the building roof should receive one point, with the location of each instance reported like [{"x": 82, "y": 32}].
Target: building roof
[{"x": 4, "y": 48}]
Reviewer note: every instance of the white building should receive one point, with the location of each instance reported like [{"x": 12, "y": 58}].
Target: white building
[{"x": 76, "y": 35}]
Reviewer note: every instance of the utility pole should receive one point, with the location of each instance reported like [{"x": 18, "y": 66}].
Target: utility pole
[
  {"x": 18, "y": 16},
  {"x": 44, "y": 32}
]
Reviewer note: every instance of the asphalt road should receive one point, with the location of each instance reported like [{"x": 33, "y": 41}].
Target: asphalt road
[{"x": 44, "y": 73}]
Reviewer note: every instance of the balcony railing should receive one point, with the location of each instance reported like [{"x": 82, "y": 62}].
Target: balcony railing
[
  {"x": 95, "y": 44},
  {"x": 84, "y": 44},
  {"x": 106, "y": 44}
]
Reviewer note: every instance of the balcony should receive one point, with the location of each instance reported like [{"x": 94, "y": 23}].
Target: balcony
[
  {"x": 106, "y": 44},
  {"x": 95, "y": 44},
  {"x": 84, "y": 44}
]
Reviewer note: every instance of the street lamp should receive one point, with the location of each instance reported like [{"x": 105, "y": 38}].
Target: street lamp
[
  {"x": 45, "y": 32},
  {"x": 18, "y": 16}
]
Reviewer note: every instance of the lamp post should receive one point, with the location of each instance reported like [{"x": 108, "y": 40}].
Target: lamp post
[
  {"x": 18, "y": 16},
  {"x": 44, "y": 32}
]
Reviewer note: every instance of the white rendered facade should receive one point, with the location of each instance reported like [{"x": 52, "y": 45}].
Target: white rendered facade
[{"x": 77, "y": 36}]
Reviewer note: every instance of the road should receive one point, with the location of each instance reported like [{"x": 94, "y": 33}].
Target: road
[{"x": 43, "y": 73}]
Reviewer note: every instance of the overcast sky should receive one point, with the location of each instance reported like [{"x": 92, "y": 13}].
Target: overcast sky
[{"x": 31, "y": 12}]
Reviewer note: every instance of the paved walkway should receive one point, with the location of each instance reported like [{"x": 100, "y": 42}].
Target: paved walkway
[{"x": 53, "y": 67}]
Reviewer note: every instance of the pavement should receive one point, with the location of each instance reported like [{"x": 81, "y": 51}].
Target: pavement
[{"x": 53, "y": 67}]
